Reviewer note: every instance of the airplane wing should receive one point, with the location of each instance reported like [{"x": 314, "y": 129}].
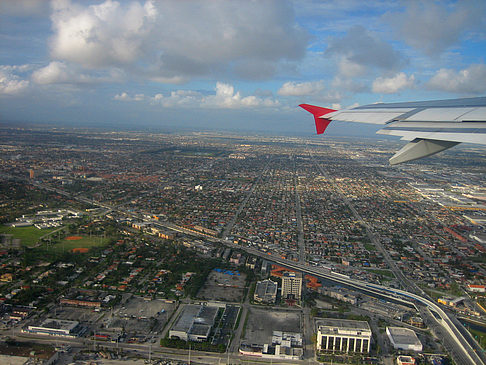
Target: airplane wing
[{"x": 430, "y": 126}]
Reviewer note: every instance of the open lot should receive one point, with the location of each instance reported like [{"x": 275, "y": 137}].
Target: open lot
[
  {"x": 224, "y": 285},
  {"x": 262, "y": 322}
]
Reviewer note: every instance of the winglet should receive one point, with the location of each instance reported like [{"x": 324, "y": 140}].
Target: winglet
[{"x": 318, "y": 113}]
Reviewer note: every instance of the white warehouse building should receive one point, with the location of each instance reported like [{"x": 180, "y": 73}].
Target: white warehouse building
[{"x": 403, "y": 339}]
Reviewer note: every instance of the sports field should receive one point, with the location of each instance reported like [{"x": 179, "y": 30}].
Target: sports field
[
  {"x": 73, "y": 242},
  {"x": 28, "y": 235}
]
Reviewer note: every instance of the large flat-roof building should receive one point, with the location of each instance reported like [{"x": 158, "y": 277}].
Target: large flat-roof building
[
  {"x": 56, "y": 327},
  {"x": 266, "y": 291},
  {"x": 291, "y": 285},
  {"x": 403, "y": 339},
  {"x": 343, "y": 335},
  {"x": 194, "y": 323}
]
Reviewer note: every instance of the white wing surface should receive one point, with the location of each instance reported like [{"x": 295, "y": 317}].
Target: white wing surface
[{"x": 430, "y": 126}]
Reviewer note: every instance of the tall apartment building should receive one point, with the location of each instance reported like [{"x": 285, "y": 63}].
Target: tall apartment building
[{"x": 291, "y": 285}]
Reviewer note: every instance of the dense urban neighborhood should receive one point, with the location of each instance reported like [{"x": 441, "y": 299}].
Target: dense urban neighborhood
[{"x": 210, "y": 248}]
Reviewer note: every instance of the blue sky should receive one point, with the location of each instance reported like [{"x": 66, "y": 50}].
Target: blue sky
[{"x": 234, "y": 65}]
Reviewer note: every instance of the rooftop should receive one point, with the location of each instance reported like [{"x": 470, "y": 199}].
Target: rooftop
[{"x": 403, "y": 336}]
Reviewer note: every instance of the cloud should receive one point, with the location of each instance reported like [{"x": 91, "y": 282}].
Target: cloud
[
  {"x": 434, "y": 26},
  {"x": 55, "y": 72},
  {"x": 392, "y": 85},
  {"x": 177, "y": 40},
  {"x": 348, "y": 68},
  {"x": 10, "y": 82},
  {"x": 179, "y": 98},
  {"x": 62, "y": 73},
  {"x": 125, "y": 97},
  {"x": 468, "y": 81},
  {"x": 100, "y": 35},
  {"x": 24, "y": 7},
  {"x": 344, "y": 83},
  {"x": 359, "y": 49},
  {"x": 301, "y": 88},
  {"x": 224, "y": 97}
]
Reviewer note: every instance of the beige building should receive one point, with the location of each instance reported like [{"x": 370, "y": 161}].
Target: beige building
[
  {"x": 292, "y": 285},
  {"x": 343, "y": 335}
]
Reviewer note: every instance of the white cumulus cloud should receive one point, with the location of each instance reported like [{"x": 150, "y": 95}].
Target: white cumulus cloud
[
  {"x": 61, "y": 73},
  {"x": 125, "y": 97},
  {"x": 224, "y": 97},
  {"x": 10, "y": 82},
  {"x": 471, "y": 80},
  {"x": 100, "y": 35},
  {"x": 392, "y": 85},
  {"x": 301, "y": 88}
]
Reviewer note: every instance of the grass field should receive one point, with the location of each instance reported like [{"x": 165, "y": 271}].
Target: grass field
[
  {"x": 370, "y": 247},
  {"x": 28, "y": 235},
  {"x": 84, "y": 242},
  {"x": 382, "y": 272}
]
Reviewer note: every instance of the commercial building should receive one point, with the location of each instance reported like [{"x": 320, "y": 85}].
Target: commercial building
[
  {"x": 405, "y": 360},
  {"x": 80, "y": 303},
  {"x": 343, "y": 335},
  {"x": 266, "y": 291},
  {"x": 285, "y": 346},
  {"x": 291, "y": 285},
  {"x": 403, "y": 339},
  {"x": 476, "y": 288},
  {"x": 56, "y": 327},
  {"x": 194, "y": 323},
  {"x": 451, "y": 302}
]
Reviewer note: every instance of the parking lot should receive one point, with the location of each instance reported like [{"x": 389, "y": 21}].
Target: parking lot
[
  {"x": 262, "y": 322},
  {"x": 69, "y": 313},
  {"x": 228, "y": 321},
  {"x": 140, "y": 316}
]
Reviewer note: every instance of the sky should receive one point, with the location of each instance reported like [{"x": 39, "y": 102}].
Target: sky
[{"x": 237, "y": 65}]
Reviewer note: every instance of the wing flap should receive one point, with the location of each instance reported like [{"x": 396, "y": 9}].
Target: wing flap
[
  {"x": 469, "y": 132},
  {"x": 419, "y": 148}
]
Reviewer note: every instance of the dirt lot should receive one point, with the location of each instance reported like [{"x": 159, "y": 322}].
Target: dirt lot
[
  {"x": 138, "y": 315},
  {"x": 262, "y": 322},
  {"x": 224, "y": 285}
]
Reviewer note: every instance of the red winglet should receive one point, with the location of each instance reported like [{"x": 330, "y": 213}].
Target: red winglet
[{"x": 318, "y": 112}]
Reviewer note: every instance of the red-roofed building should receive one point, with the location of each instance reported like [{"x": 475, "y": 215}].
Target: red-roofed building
[{"x": 476, "y": 288}]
